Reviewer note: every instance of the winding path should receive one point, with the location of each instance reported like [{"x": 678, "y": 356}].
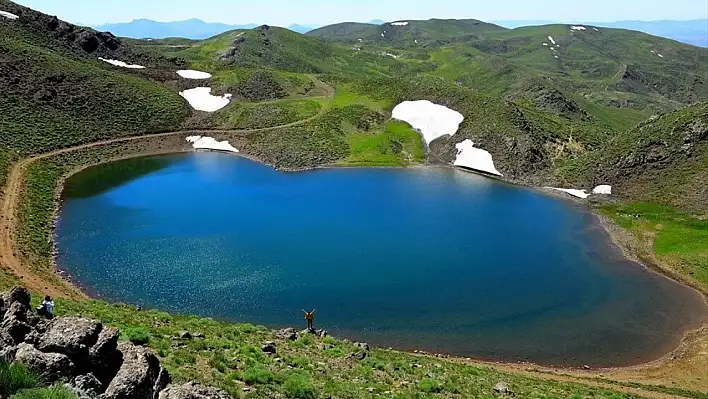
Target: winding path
[{"x": 15, "y": 183}]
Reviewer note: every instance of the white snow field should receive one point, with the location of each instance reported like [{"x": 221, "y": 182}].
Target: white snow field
[
  {"x": 550, "y": 38},
  {"x": 602, "y": 189},
  {"x": 8, "y": 15},
  {"x": 575, "y": 193},
  {"x": 578, "y": 28},
  {"x": 210, "y": 143},
  {"x": 432, "y": 120},
  {"x": 475, "y": 158},
  {"x": 400, "y": 23},
  {"x": 121, "y": 64},
  {"x": 192, "y": 74},
  {"x": 201, "y": 99}
]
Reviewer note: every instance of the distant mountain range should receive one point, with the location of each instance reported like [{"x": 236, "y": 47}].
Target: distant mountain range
[{"x": 693, "y": 32}]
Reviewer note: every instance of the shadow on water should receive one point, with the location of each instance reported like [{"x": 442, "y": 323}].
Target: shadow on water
[
  {"x": 101, "y": 178},
  {"x": 421, "y": 258}
]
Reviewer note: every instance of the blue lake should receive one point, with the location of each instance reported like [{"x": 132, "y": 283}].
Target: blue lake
[{"x": 423, "y": 258}]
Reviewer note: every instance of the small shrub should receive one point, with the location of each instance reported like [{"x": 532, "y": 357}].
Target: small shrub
[
  {"x": 298, "y": 386},
  {"x": 136, "y": 335},
  {"x": 14, "y": 377},
  {"x": 258, "y": 375},
  {"x": 304, "y": 341},
  {"x": 248, "y": 328},
  {"x": 55, "y": 392},
  {"x": 429, "y": 385}
]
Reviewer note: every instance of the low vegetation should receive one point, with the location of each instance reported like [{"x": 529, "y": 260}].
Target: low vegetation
[
  {"x": 229, "y": 356},
  {"x": 17, "y": 382}
]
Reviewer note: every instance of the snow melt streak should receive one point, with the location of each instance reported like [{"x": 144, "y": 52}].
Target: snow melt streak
[
  {"x": 432, "y": 120},
  {"x": 192, "y": 74},
  {"x": 201, "y": 99},
  {"x": 475, "y": 158},
  {"x": 121, "y": 64},
  {"x": 8, "y": 15},
  {"x": 210, "y": 143}
]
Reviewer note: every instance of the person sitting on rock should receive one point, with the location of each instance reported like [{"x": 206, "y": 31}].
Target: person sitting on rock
[
  {"x": 46, "y": 309},
  {"x": 310, "y": 317}
]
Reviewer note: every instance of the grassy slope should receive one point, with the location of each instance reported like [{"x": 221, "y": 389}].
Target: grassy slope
[{"x": 230, "y": 357}]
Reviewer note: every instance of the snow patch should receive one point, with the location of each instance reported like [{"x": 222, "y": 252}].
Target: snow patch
[
  {"x": 382, "y": 35},
  {"x": 392, "y": 55},
  {"x": 475, "y": 158},
  {"x": 603, "y": 189},
  {"x": 556, "y": 56},
  {"x": 578, "y": 27},
  {"x": 416, "y": 40},
  {"x": 545, "y": 44},
  {"x": 210, "y": 143},
  {"x": 660, "y": 55},
  {"x": 432, "y": 120},
  {"x": 402, "y": 23},
  {"x": 8, "y": 15},
  {"x": 359, "y": 40},
  {"x": 201, "y": 99},
  {"x": 550, "y": 38},
  {"x": 192, "y": 74},
  {"x": 575, "y": 193},
  {"x": 121, "y": 64},
  {"x": 596, "y": 30}
]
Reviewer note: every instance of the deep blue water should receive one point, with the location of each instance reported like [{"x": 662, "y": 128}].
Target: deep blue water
[{"x": 432, "y": 259}]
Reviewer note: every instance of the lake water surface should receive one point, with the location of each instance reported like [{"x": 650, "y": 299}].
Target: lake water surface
[{"x": 421, "y": 258}]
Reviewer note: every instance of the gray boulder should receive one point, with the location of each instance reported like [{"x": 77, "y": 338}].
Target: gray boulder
[
  {"x": 15, "y": 324},
  {"x": 7, "y": 353},
  {"x": 72, "y": 336},
  {"x": 269, "y": 347},
  {"x": 104, "y": 357},
  {"x": 85, "y": 386},
  {"x": 137, "y": 375},
  {"x": 192, "y": 390},
  {"x": 17, "y": 294},
  {"x": 289, "y": 334},
  {"x": 163, "y": 380},
  {"x": 503, "y": 388},
  {"x": 362, "y": 345},
  {"x": 51, "y": 366}
]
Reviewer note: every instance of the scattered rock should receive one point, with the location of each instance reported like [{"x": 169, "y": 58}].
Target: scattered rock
[
  {"x": 321, "y": 333},
  {"x": 362, "y": 345},
  {"x": 85, "y": 386},
  {"x": 269, "y": 347},
  {"x": 199, "y": 335},
  {"x": 185, "y": 335},
  {"x": 503, "y": 388},
  {"x": 358, "y": 356},
  {"x": 192, "y": 390},
  {"x": 163, "y": 380},
  {"x": 104, "y": 357},
  {"x": 586, "y": 367},
  {"x": 137, "y": 375},
  {"x": 17, "y": 294},
  {"x": 289, "y": 334},
  {"x": 50, "y": 366}
]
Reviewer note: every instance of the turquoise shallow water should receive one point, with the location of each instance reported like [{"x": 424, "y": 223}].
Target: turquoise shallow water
[{"x": 432, "y": 259}]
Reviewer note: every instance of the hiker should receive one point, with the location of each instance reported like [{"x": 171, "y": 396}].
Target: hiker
[
  {"x": 46, "y": 309},
  {"x": 310, "y": 317}
]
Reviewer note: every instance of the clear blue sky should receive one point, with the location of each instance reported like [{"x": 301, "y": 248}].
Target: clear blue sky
[{"x": 285, "y": 12}]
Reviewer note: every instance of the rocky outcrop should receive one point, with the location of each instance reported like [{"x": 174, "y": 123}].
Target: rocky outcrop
[
  {"x": 86, "y": 356},
  {"x": 50, "y": 366},
  {"x": 137, "y": 375}
]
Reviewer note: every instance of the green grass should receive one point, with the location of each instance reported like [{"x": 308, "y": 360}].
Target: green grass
[
  {"x": 56, "y": 392},
  {"x": 679, "y": 240},
  {"x": 15, "y": 377},
  {"x": 396, "y": 144},
  {"x": 269, "y": 114},
  {"x": 229, "y": 357}
]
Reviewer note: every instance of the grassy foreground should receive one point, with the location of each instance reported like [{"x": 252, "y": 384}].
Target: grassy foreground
[{"x": 229, "y": 357}]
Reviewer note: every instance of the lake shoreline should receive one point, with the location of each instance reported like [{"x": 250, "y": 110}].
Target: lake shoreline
[{"x": 615, "y": 232}]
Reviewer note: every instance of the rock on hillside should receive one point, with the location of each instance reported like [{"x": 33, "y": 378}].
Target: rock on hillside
[
  {"x": 86, "y": 356},
  {"x": 82, "y": 42}
]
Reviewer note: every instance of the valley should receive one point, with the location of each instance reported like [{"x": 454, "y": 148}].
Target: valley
[{"x": 555, "y": 106}]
